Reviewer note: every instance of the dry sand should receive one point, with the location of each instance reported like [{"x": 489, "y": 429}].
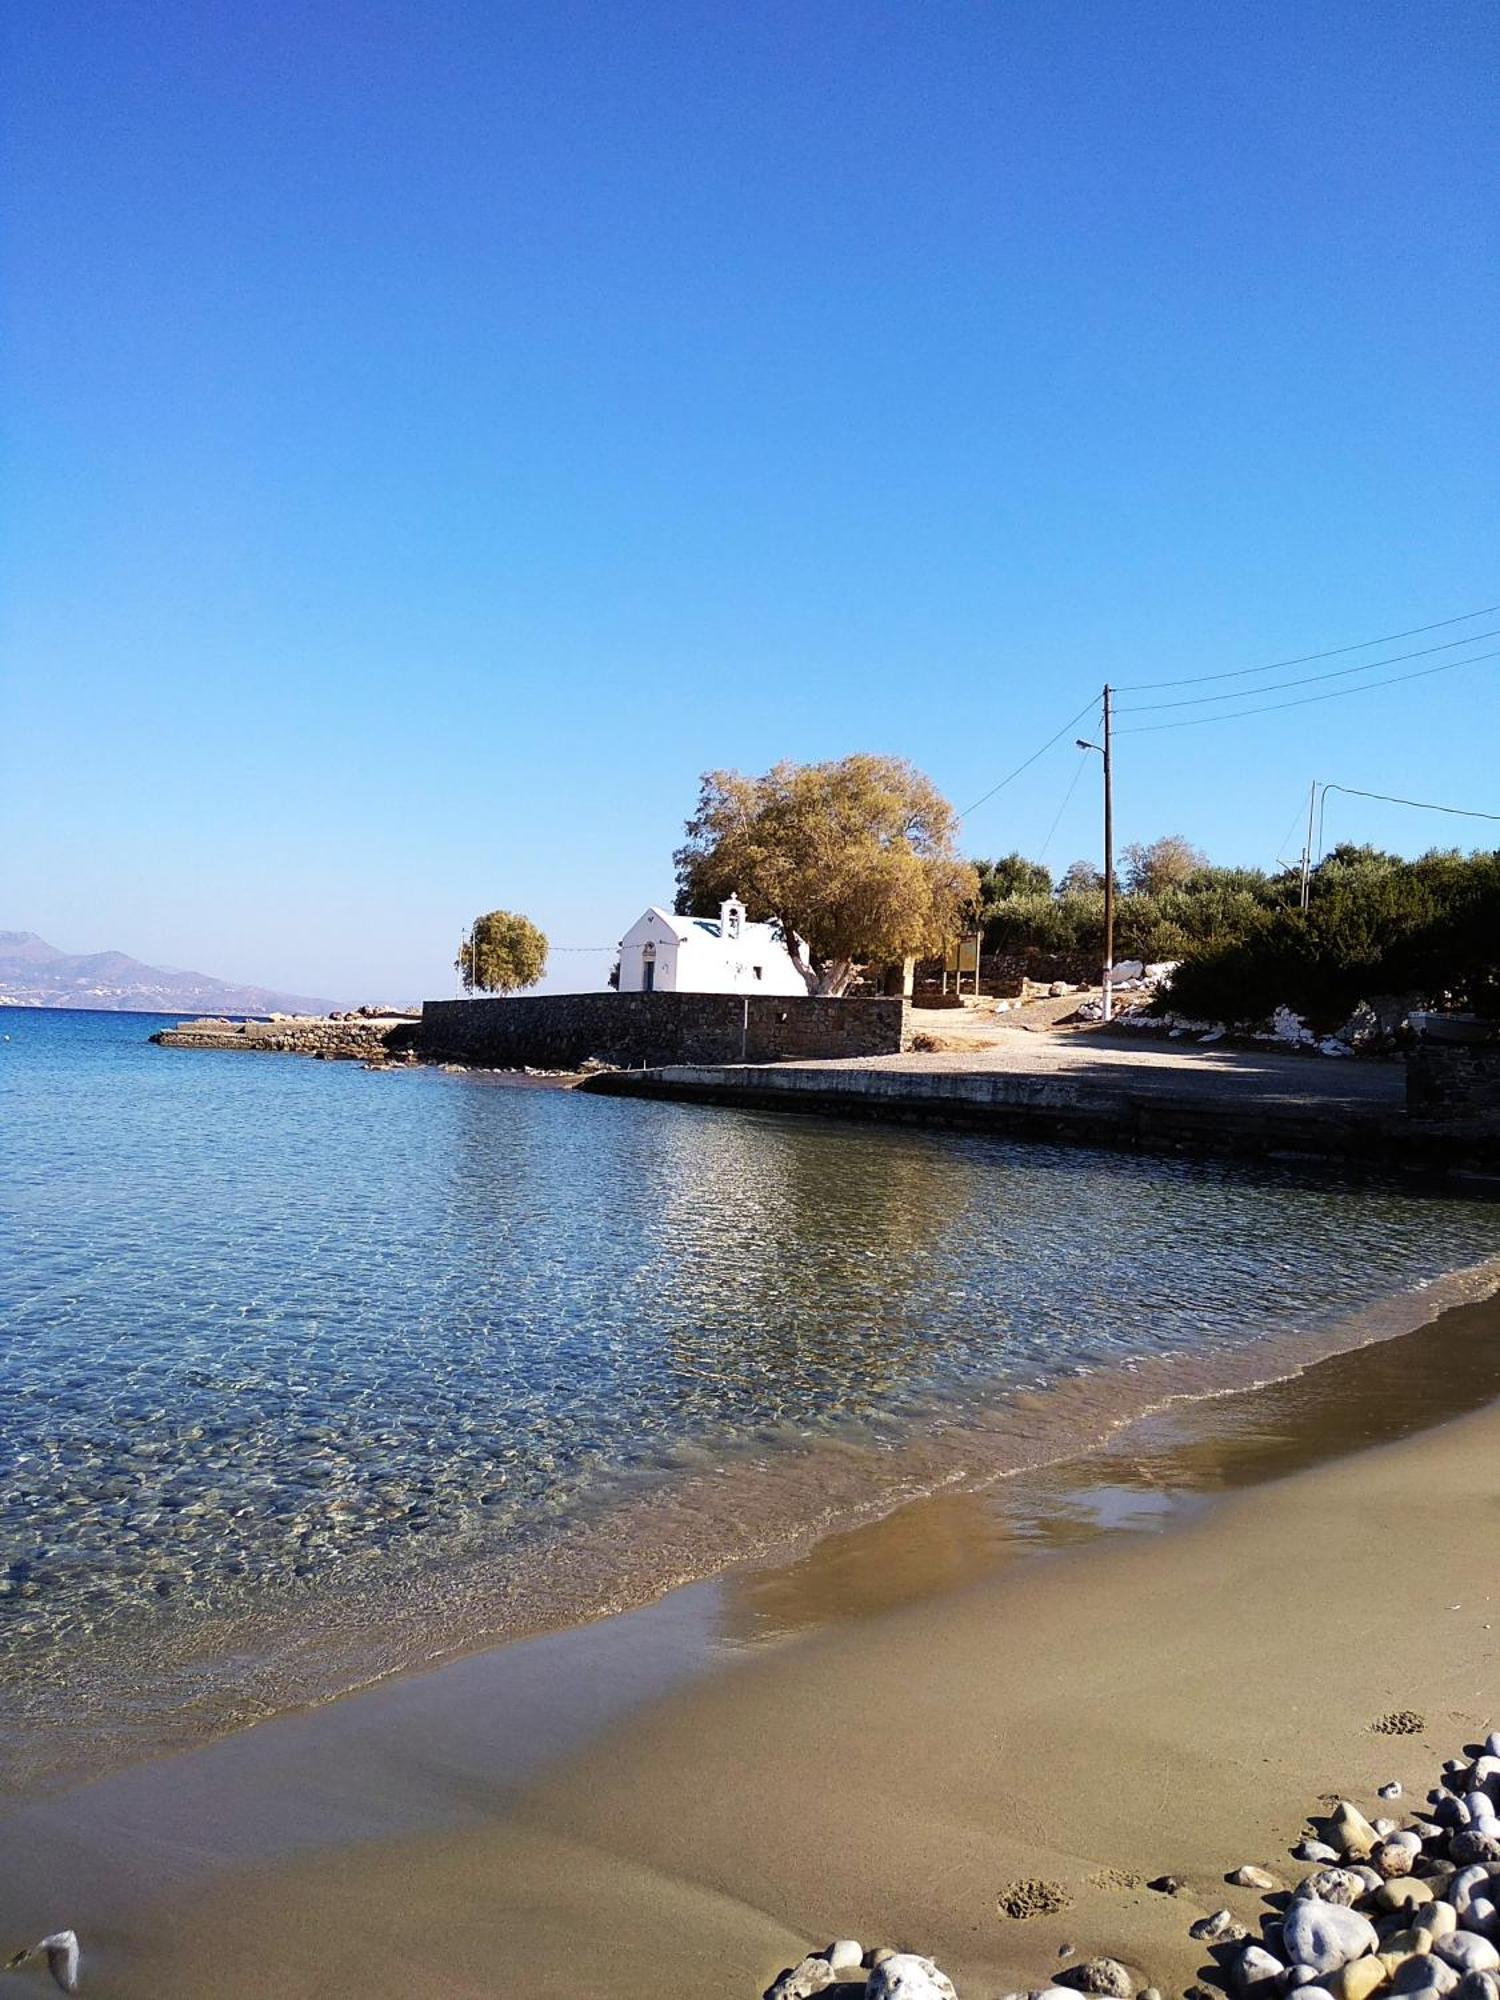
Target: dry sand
[{"x": 1176, "y": 1703}]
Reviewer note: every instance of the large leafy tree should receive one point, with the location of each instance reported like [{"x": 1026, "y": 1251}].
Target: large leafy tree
[
  {"x": 503, "y": 953},
  {"x": 855, "y": 857}
]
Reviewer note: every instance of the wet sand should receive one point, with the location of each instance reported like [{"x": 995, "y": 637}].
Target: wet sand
[{"x": 875, "y": 1739}]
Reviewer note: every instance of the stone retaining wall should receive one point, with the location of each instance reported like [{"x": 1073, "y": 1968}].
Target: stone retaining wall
[
  {"x": 1064, "y": 1110},
  {"x": 1453, "y": 1071},
  {"x": 636, "y": 1030}
]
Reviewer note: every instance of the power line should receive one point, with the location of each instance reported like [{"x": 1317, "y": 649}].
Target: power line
[
  {"x": 1071, "y": 723},
  {"x": 1421, "y": 805},
  {"x": 1067, "y": 801},
  {"x": 1296, "y": 816},
  {"x": 1265, "y": 708},
  {"x": 1302, "y": 701},
  {"x": 1306, "y": 659},
  {"x": 1307, "y": 680}
]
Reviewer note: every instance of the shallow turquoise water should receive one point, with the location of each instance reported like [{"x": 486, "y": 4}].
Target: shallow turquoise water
[{"x": 269, "y": 1324}]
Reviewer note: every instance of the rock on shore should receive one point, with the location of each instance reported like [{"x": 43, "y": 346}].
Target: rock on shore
[{"x": 358, "y": 1037}]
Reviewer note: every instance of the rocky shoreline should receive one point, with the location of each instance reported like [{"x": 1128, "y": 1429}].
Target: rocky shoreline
[
  {"x": 1410, "y": 1910},
  {"x": 361, "y": 1036}
]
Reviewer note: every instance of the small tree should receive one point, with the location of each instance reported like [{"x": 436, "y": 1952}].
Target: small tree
[
  {"x": 503, "y": 953},
  {"x": 1012, "y": 875},
  {"x": 1080, "y": 878},
  {"x": 1153, "y": 866}
]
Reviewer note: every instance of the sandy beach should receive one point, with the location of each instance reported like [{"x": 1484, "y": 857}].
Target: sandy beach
[{"x": 953, "y": 1725}]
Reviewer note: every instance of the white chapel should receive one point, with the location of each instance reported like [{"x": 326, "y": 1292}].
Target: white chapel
[{"x": 664, "y": 953}]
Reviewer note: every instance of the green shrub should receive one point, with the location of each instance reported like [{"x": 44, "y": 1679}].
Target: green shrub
[{"x": 1374, "y": 925}]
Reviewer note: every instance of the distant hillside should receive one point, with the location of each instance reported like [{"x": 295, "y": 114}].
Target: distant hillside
[{"x": 34, "y": 973}]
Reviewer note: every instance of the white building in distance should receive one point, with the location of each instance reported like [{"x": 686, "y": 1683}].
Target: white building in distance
[{"x": 663, "y": 953}]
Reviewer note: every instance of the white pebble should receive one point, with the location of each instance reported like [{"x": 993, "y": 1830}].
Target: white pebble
[
  {"x": 1467, "y": 1952},
  {"x": 1250, "y": 1877},
  {"x": 1325, "y": 1935},
  {"x": 907, "y": 1976}
]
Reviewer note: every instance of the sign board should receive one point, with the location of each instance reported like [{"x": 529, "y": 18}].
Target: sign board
[{"x": 962, "y": 956}]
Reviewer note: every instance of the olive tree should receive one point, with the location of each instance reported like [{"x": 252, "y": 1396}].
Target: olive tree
[
  {"x": 1151, "y": 867},
  {"x": 1080, "y": 878},
  {"x": 1012, "y": 875},
  {"x": 503, "y": 953},
  {"x": 855, "y": 857}
]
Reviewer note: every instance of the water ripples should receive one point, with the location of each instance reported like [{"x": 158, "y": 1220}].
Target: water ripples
[{"x": 276, "y": 1325}]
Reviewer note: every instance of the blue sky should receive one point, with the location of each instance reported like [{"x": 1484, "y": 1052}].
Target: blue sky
[{"x": 434, "y": 433}]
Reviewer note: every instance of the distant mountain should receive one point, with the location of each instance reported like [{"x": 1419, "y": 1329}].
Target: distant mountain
[{"x": 34, "y": 973}]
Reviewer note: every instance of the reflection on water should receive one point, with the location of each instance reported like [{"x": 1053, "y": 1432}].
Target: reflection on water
[
  {"x": 795, "y": 1245},
  {"x": 283, "y": 1332}
]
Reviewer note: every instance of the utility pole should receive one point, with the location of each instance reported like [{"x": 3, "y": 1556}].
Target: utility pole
[
  {"x": 1106, "y": 751},
  {"x": 1109, "y": 864},
  {"x": 1307, "y": 845}
]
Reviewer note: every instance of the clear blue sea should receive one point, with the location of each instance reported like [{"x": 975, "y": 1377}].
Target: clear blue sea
[{"x": 278, "y": 1336}]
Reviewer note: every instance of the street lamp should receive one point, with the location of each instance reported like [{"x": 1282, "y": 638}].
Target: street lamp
[{"x": 1109, "y": 857}]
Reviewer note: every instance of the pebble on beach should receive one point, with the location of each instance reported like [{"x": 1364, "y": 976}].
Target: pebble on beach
[
  {"x": 1351, "y": 1832},
  {"x": 1466, "y": 1951},
  {"x": 1358, "y": 1980},
  {"x": 1326, "y": 1935},
  {"x": 60, "y": 1950},
  {"x": 1220, "y": 1928},
  {"x": 906, "y": 1976},
  {"x": 1436, "y": 1919},
  {"x": 800, "y": 1982},
  {"x": 1397, "y": 1854},
  {"x": 1258, "y": 1970},
  {"x": 1334, "y": 1885},
  {"x": 893, "y": 1975},
  {"x": 1099, "y": 1975},
  {"x": 1402, "y": 1897},
  {"x": 1424, "y": 1977}
]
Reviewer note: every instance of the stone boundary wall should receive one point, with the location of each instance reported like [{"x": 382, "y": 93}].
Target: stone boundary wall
[
  {"x": 1002, "y": 973},
  {"x": 1453, "y": 1072},
  {"x": 645, "y": 1030}
]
